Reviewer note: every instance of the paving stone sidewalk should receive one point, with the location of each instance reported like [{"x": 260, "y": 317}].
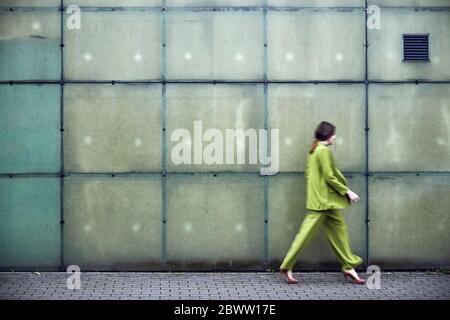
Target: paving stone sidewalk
[{"x": 220, "y": 285}]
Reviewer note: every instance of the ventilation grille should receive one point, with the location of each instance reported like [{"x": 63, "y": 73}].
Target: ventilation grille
[{"x": 415, "y": 47}]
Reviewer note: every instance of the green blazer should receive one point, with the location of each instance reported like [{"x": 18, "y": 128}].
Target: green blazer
[{"x": 326, "y": 186}]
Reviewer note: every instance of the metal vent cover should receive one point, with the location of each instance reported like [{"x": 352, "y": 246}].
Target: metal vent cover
[{"x": 415, "y": 47}]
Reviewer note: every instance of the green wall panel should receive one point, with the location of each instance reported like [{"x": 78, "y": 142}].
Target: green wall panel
[
  {"x": 228, "y": 45},
  {"x": 408, "y": 3},
  {"x": 29, "y": 120},
  {"x": 315, "y": 45},
  {"x": 107, "y": 3},
  {"x": 220, "y": 107},
  {"x": 30, "y": 234},
  {"x": 112, "y": 128},
  {"x": 112, "y": 222},
  {"x": 114, "y": 46},
  {"x": 409, "y": 221},
  {"x": 227, "y": 3},
  {"x": 316, "y": 3},
  {"x": 33, "y": 3},
  {"x": 29, "y": 45},
  {"x": 409, "y": 127},
  {"x": 296, "y": 109},
  {"x": 215, "y": 221},
  {"x": 386, "y": 45}
]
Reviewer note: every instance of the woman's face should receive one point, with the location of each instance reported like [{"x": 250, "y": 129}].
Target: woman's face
[{"x": 331, "y": 139}]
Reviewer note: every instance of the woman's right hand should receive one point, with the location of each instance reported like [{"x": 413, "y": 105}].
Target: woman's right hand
[{"x": 353, "y": 196}]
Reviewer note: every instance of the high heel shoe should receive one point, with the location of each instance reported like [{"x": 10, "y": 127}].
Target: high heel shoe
[
  {"x": 289, "y": 278},
  {"x": 354, "y": 279}
]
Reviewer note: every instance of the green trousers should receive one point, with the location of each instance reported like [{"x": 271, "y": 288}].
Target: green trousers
[{"x": 336, "y": 231}]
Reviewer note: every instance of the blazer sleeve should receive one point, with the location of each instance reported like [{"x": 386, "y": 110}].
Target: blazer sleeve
[
  {"x": 326, "y": 162},
  {"x": 341, "y": 176}
]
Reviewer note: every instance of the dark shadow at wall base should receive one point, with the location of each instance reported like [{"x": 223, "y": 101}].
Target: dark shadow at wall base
[{"x": 237, "y": 266}]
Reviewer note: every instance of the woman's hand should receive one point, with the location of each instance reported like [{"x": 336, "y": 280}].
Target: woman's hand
[{"x": 353, "y": 196}]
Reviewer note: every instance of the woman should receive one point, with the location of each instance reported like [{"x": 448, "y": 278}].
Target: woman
[{"x": 327, "y": 191}]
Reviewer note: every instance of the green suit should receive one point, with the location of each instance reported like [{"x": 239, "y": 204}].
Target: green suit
[
  {"x": 326, "y": 186},
  {"x": 326, "y": 189}
]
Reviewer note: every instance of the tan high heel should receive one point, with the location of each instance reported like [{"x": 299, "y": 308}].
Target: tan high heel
[
  {"x": 354, "y": 279},
  {"x": 289, "y": 278}
]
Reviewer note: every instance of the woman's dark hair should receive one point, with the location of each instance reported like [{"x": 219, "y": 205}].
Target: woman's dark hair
[{"x": 323, "y": 132}]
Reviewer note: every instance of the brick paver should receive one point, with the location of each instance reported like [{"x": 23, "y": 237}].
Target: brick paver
[{"x": 220, "y": 285}]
